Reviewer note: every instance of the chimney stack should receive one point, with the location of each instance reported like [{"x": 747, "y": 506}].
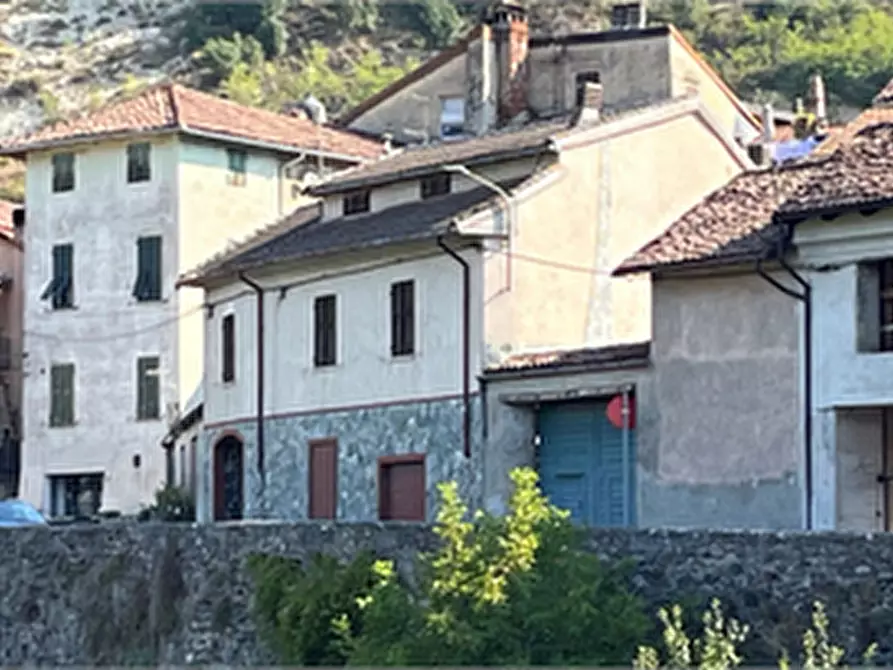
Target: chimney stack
[
  {"x": 817, "y": 99},
  {"x": 768, "y": 123},
  {"x": 508, "y": 20}
]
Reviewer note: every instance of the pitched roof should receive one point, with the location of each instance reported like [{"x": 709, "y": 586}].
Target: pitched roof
[
  {"x": 729, "y": 224},
  {"x": 558, "y": 359},
  {"x": 304, "y": 233},
  {"x": 172, "y": 107},
  {"x": 857, "y": 174},
  {"x": 884, "y": 96},
  {"x": 417, "y": 160}
]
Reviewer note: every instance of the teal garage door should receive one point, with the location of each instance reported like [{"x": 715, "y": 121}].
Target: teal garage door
[{"x": 582, "y": 466}]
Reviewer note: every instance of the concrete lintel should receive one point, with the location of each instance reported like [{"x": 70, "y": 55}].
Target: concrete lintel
[{"x": 564, "y": 395}]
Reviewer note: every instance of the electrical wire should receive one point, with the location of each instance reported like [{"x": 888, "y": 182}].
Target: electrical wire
[{"x": 117, "y": 336}]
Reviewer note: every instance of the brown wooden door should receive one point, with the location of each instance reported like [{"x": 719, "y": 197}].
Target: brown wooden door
[
  {"x": 402, "y": 489},
  {"x": 323, "y": 474}
]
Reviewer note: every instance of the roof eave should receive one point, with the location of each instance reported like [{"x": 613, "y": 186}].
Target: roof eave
[
  {"x": 21, "y": 151},
  {"x": 632, "y": 363},
  {"x": 800, "y": 215},
  {"x": 345, "y": 184}
]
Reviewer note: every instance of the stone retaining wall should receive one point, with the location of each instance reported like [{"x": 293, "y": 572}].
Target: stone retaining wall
[{"x": 142, "y": 594}]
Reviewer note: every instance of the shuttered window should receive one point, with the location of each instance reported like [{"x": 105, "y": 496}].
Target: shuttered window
[
  {"x": 325, "y": 331},
  {"x": 60, "y": 289},
  {"x": 148, "y": 392},
  {"x": 63, "y": 172},
  {"x": 147, "y": 286},
  {"x": 228, "y": 337},
  {"x": 237, "y": 161},
  {"x": 61, "y": 395},
  {"x": 323, "y": 485},
  {"x": 403, "y": 318},
  {"x": 356, "y": 203},
  {"x": 139, "y": 163}
]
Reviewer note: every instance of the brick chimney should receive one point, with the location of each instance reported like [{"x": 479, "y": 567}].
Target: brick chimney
[{"x": 508, "y": 20}]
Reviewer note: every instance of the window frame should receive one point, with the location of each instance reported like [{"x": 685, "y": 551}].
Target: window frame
[
  {"x": 885, "y": 305},
  {"x": 435, "y": 185},
  {"x": 139, "y": 162},
  {"x": 452, "y": 123},
  {"x": 62, "y": 480},
  {"x": 60, "y": 289},
  {"x": 356, "y": 202},
  {"x": 403, "y": 318},
  {"x": 228, "y": 348},
  {"x": 62, "y": 415},
  {"x": 149, "y": 269},
  {"x": 148, "y": 368},
  {"x": 385, "y": 466},
  {"x": 237, "y": 170},
  {"x": 325, "y": 331},
  {"x": 58, "y": 184}
]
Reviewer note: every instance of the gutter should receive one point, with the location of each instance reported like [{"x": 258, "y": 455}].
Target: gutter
[
  {"x": 258, "y": 289},
  {"x": 466, "y": 345},
  {"x": 806, "y": 298}
]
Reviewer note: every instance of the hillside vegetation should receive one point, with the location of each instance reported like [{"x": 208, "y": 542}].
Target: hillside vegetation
[{"x": 54, "y": 61}]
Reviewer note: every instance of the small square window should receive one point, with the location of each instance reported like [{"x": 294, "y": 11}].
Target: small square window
[
  {"x": 452, "y": 117},
  {"x": 139, "y": 162},
  {"x": 438, "y": 184},
  {"x": 63, "y": 172},
  {"x": 356, "y": 203},
  {"x": 238, "y": 167}
]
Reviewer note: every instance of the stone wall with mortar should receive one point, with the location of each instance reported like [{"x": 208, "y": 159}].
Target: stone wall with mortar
[{"x": 148, "y": 594}]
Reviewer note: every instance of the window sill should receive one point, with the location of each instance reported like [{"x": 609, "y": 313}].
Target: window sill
[
  {"x": 149, "y": 301},
  {"x": 325, "y": 368},
  {"x": 147, "y": 419},
  {"x": 404, "y": 358},
  {"x": 66, "y": 308},
  {"x": 62, "y": 426}
]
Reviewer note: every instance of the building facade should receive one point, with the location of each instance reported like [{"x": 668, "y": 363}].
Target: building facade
[
  {"x": 121, "y": 202},
  {"x": 12, "y": 218}
]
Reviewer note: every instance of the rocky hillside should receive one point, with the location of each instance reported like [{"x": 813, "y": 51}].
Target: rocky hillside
[{"x": 61, "y": 57}]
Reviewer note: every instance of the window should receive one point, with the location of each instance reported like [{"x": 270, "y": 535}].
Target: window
[
  {"x": 403, "y": 318},
  {"x": 238, "y": 161},
  {"x": 60, "y": 290},
  {"x": 322, "y": 500},
  {"x": 438, "y": 184},
  {"x": 875, "y": 306},
  {"x": 62, "y": 395},
  {"x": 401, "y": 488},
  {"x": 63, "y": 172},
  {"x": 139, "y": 165},
  {"x": 148, "y": 388},
  {"x": 452, "y": 117},
  {"x": 148, "y": 269},
  {"x": 193, "y": 472},
  {"x": 228, "y": 340},
  {"x": 356, "y": 203},
  {"x": 75, "y": 495},
  {"x": 181, "y": 480},
  {"x": 580, "y": 80},
  {"x": 325, "y": 332}
]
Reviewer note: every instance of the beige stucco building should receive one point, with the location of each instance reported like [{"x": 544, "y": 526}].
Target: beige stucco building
[{"x": 120, "y": 202}]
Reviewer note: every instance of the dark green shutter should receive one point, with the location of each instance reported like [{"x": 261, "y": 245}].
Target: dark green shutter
[
  {"x": 62, "y": 395},
  {"x": 402, "y": 318},
  {"x": 325, "y": 331},
  {"x": 154, "y": 258},
  {"x": 148, "y": 274},
  {"x": 148, "y": 388}
]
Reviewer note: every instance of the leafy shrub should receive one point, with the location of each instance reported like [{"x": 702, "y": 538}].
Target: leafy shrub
[
  {"x": 172, "y": 504},
  {"x": 519, "y": 590}
]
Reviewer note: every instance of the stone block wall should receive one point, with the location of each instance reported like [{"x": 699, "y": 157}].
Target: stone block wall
[{"x": 143, "y": 594}]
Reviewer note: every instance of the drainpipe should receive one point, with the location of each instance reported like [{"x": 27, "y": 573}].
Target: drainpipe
[
  {"x": 466, "y": 346},
  {"x": 806, "y": 298},
  {"x": 626, "y": 483},
  {"x": 258, "y": 289}
]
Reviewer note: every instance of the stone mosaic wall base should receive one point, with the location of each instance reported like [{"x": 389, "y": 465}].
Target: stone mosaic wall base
[{"x": 433, "y": 428}]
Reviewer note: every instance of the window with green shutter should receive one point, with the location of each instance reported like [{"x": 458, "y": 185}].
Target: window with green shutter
[
  {"x": 63, "y": 172},
  {"x": 238, "y": 167},
  {"x": 60, "y": 289},
  {"x": 148, "y": 269},
  {"x": 148, "y": 392},
  {"x": 325, "y": 331},
  {"x": 139, "y": 163},
  {"x": 61, "y": 395},
  {"x": 403, "y": 318}
]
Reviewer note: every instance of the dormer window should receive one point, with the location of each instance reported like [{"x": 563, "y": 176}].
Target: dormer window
[
  {"x": 452, "y": 117},
  {"x": 438, "y": 184},
  {"x": 356, "y": 203}
]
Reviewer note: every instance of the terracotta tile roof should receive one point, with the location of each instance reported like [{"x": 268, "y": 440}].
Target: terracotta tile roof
[
  {"x": 859, "y": 173},
  {"x": 728, "y": 224},
  {"x": 417, "y": 159},
  {"x": 599, "y": 358},
  {"x": 303, "y": 233},
  {"x": 884, "y": 96},
  {"x": 177, "y": 108}
]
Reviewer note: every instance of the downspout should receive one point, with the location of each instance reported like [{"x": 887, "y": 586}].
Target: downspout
[
  {"x": 258, "y": 289},
  {"x": 806, "y": 298},
  {"x": 466, "y": 346}
]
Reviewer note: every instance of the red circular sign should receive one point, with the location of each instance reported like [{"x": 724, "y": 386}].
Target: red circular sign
[{"x": 615, "y": 412}]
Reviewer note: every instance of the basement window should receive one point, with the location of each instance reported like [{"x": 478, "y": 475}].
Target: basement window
[
  {"x": 356, "y": 203},
  {"x": 438, "y": 184},
  {"x": 874, "y": 299}
]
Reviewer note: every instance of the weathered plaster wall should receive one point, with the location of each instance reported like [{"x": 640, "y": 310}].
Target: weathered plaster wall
[
  {"x": 108, "y": 330},
  {"x": 151, "y": 594},
  {"x": 364, "y": 434},
  {"x": 720, "y": 437}
]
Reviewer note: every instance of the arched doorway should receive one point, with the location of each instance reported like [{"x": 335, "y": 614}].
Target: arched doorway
[{"x": 228, "y": 479}]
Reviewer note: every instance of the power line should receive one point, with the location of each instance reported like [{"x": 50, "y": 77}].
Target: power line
[{"x": 117, "y": 336}]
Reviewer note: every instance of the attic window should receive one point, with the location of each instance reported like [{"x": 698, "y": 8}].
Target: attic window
[
  {"x": 452, "y": 117},
  {"x": 356, "y": 203},
  {"x": 438, "y": 184}
]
